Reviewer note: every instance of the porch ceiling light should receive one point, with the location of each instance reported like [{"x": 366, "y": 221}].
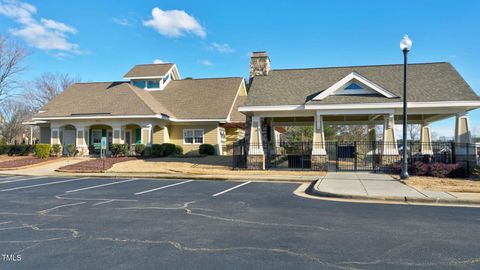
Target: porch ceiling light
[{"x": 405, "y": 43}]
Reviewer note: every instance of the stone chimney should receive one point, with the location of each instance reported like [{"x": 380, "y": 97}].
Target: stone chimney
[{"x": 259, "y": 64}]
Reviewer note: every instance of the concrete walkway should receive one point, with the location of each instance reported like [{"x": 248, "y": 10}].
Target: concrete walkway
[
  {"x": 44, "y": 169},
  {"x": 377, "y": 186}
]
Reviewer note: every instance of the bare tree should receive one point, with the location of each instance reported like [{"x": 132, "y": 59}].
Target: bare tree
[
  {"x": 46, "y": 87},
  {"x": 15, "y": 112},
  {"x": 414, "y": 132},
  {"x": 11, "y": 56}
]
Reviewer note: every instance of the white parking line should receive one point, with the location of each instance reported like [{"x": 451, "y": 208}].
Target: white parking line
[
  {"x": 22, "y": 179},
  {"x": 164, "y": 187},
  {"x": 10, "y": 177},
  {"x": 44, "y": 184},
  {"x": 230, "y": 189},
  {"x": 103, "y": 185}
]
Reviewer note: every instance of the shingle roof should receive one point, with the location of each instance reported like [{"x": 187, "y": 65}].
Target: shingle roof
[
  {"x": 181, "y": 99},
  {"x": 426, "y": 82},
  {"x": 199, "y": 98},
  {"x": 235, "y": 115},
  {"x": 149, "y": 70}
]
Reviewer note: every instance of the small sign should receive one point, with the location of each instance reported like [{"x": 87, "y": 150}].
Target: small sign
[{"x": 104, "y": 143}]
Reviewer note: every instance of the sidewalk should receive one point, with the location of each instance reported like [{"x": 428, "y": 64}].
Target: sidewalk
[
  {"x": 382, "y": 187},
  {"x": 43, "y": 169}
]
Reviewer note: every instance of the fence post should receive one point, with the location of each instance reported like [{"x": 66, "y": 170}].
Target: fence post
[
  {"x": 355, "y": 155},
  {"x": 454, "y": 156},
  {"x": 468, "y": 158},
  {"x": 336, "y": 156}
]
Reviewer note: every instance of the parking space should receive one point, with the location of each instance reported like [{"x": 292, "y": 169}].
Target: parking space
[{"x": 57, "y": 223}]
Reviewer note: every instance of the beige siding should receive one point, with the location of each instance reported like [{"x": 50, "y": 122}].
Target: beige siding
[
  {"x": 232, "y": 136},
  {"x": 158, "y": 137},
  {"x": 209, "y": 136}
]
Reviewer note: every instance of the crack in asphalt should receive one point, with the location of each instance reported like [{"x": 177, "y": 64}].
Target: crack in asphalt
[
  {"x": 189, "y": 211},
  {"x": 35, "y": 227},
  {"x": 417, "y": 264},
  {"x": 181, "y": 247},
  {"x": 43, "y": 212}
]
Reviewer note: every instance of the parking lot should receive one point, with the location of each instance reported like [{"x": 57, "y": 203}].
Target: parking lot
[{"x": 93, "y": 223}]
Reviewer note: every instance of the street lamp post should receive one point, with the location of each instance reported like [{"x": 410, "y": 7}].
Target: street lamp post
[{"x": 405, "y": 45}]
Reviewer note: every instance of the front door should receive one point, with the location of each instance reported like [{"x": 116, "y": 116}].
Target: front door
[{"x": 68, "y": 138}]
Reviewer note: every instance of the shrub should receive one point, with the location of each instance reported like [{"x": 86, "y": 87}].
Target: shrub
[
  {"x": 71, "y": 150},
  {"x": 420, "y": 168},
  {"x": 178, "y": 150},
  {"x": 168, "y": 149},
  {"x": 457, "y": 171},
  {"x": 20, "y": 149},
  {"x": 157, "y": 150},
  {"x": 140, "y": 149},
  {"x": 206, "y": 149},
  {"x": 440, "y": 169},
  {"x": 5, "y": 149},
  {"x": 56, "y": 149},
  {"x": 42, "y": 150},
  {"x": 148, "y": 151},
  {"x": 119, "y": 149}
]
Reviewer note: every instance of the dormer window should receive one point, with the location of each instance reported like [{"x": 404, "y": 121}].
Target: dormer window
[
  {"x": 153, "y": 84},
  {"x": 139, "y": 84}
]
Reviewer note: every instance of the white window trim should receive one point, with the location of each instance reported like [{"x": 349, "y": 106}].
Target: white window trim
[{"x": 193, "y": 131}]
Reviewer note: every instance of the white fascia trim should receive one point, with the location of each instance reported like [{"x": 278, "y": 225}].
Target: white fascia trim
[
  {"x": 387, "y": 105},
  {"x": 34, "y": 122},
  {"x": 336, "y": 86},
  {"x": 198, "y": 120},
  {"x": 143, "y": 78},
  {"x": 159, "y": 116},
  {"x": 271, "y": 108}
]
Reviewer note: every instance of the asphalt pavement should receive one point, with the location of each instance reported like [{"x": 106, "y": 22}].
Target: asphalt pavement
[{"x": 103, "y": 223}]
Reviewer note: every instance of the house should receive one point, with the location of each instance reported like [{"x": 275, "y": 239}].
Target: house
[
  {"x": 352, "y": 95},
  {"x": 153, "y": 105}
]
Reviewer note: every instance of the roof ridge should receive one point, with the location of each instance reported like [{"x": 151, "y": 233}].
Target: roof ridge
[
  {"x": 154, "y": 64},
  {"x": 212, "y": 78},
  {"x": 151, "y": 99},
  {"x": 379, "y": 65}
]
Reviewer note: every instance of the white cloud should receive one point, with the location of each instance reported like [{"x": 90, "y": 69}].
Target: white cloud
[
  {"x": 121, "y": 21},
  {"x": 222, "y": 48},
  {"x": 205, "y": 62},
  {"x": 46, "y": 35},
  {"x": 158, "y": 61},
  {"x": 174, "y": 23}
]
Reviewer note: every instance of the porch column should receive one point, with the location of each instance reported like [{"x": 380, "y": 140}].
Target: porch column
[
  {"x": 372, "y": 138},
  {"x": 464, "y": 149},
  {"x": 256, "y": 156},
  {"x": 117, "y": 135},
  {"x": 319, "y": 154},
  {"x": 462, "y": 128},
  {"x": 81, "y": 141},
  {"x": 426, "y": 140},
  {"x": 390, "y": 147},
  {"x": 146, "y": 135},
  {"x": 55, "y": 136}
]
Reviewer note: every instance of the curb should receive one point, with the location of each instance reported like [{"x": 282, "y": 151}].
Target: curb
[{"x": 313, "y": 190}]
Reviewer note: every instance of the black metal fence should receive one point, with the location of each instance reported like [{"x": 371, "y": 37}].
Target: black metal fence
[{"x": 349, "y": 156}]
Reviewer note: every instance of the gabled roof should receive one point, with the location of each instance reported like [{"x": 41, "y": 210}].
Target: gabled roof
[
  {"x": 180, "y": 100},
  {"x": 149, "y": 70},
  {"x": 426, "y": 82}
]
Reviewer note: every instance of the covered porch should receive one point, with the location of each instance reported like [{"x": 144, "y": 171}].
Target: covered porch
[{"x": 374, "y": 152}]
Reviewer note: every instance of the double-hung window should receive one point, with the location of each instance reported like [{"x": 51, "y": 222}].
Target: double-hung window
[{"x": 193, "y": 136}]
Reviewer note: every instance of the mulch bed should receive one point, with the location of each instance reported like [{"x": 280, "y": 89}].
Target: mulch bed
[
  {"x": 24, "y": 162},
  {"x": 95, "y": 165}
]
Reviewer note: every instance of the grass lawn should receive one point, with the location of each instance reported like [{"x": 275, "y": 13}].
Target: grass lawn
[
  {"x": 470, "y": 185},
  {"x": 219, "y": 165}
]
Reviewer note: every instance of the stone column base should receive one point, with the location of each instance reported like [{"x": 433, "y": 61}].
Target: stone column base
[
  {"x": 319, "y": 162},
  {"x": 82, "y": 151},
  {"x": 256, "y": 162},
  {"x": 389, "y": 159}
]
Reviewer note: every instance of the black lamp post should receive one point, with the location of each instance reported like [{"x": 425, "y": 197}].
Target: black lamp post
[{"x": 405, "y": 45}]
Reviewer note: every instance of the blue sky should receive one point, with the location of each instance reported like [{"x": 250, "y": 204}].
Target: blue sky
[{"x": 101, "y": 40}]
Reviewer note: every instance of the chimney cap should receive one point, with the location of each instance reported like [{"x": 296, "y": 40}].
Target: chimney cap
[{"x": 259, "y": 54}]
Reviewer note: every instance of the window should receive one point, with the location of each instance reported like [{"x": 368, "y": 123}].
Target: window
[
  {"x": 353, "y": 86},
  {"x": 166, "y": 78},
  {"x": 96, "y": 136},
  {"x": 139, "y": 84},
  {"x": 193, "y": 136},
  {"x": 153, "y": 84}
]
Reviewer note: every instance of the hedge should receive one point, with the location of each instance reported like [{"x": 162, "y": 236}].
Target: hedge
[
  {"x": 178, "y": 150},
  {"x": 42, "y": 150},
  {"x": 157, "y": 150},
  {"x": 140, "y": 149},
  {"x": 56, "y": 149},
  {"x": 166, "y": 149},
  {"x": 206, "y": 149},
  {"x": 436, "y": 169}
]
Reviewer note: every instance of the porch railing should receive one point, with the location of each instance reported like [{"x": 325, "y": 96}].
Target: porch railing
[{"x": 351, "y": 156}]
